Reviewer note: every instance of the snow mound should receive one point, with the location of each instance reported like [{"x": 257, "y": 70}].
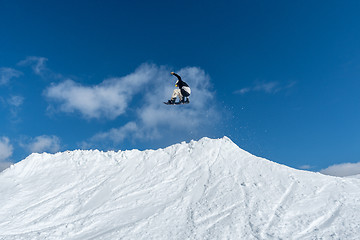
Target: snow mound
[{"x": 206, "y": 189}]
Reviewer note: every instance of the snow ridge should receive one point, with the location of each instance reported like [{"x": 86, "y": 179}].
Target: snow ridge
[{"x": 206, "y": 189}]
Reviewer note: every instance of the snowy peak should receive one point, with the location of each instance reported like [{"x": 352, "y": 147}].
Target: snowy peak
[
  {"x": 206, "y": 189},
  {"x": 80, "y": 157}
]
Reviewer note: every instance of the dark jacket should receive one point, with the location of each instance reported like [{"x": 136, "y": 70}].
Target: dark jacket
[{"x": 185, "y": 89}]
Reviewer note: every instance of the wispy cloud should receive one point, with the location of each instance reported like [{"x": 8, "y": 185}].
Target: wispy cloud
[
  {"x": 6, "y": 74},
  {"x": 155, "y": 120},
  {"x": 38, "y": 64},
  {"x": 342, "y": 170},
  {"x": 15, "y": 102},
  {"x": 108, "y": 99},
  {"x": 42, "y": 143},
  {"x": 306, "y": 167},
  {"x": 116, "y": 135},
  {"x": 4, "y": 165},
  {"x": 266, "y": 87},
  {"x": 6, "y": 149}
]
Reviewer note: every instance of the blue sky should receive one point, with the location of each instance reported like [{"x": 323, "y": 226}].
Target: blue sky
[{"x": 280, "y": 78}]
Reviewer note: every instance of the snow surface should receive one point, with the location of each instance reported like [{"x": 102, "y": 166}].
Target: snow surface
[{"x": 207, "y": 189}]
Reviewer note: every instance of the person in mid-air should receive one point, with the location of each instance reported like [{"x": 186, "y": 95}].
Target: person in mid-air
[{"x": 182, "y": 93}]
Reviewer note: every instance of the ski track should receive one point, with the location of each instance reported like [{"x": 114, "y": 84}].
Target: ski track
[
  {"x": 323, "y": 222},
  {"x": 279, "y": 210}
]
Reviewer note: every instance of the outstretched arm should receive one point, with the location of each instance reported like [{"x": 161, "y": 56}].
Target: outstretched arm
[{"x": 176, "y": 76}]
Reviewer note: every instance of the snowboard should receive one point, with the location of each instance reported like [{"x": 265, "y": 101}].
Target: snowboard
[{"x": 177, "y": 103}]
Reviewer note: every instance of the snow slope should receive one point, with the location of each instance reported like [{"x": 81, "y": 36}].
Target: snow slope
[{"x": 207, "y": 189}]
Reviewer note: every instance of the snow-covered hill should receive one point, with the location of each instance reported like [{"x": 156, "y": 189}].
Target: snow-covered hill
[{"x": 209, "y": 189}]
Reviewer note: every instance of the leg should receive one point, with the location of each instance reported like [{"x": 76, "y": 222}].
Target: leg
[{"x": 176, "y": 93}]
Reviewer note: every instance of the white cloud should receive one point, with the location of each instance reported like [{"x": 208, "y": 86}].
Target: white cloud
[
  {"x": 306, "y": 167},
  {"x": 243, "y": 90},
  {"x": 108, "y": 99},
  {"x": 43, "y": 143},
  {"x": 154, "y": 119},
  {"x": 270, "y": 87},
  {"x": 5, "y": 165},
  {"x": 116, "y": 135},
  {"x": 6, "y": 74},
  {"x": 16, "y": 101},
  {"x": 342, "y": 170},
  {"x": 6, "y": 149},
  {"x": 153, "y": 114},
  {"x": 267, "y": 87},
  {"x": 38, "y": 64}
]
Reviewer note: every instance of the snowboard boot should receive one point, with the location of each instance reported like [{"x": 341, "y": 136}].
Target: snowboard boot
[
  {"x": 185, "y": 100},
  {"x": 171, "y": 101}
]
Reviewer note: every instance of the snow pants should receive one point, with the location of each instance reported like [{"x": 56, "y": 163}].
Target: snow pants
[
  {"x": 181, "y": 93},
  {"x": 177, "y": 93}
]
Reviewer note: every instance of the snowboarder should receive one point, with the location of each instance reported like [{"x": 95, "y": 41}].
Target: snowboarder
[{"x": 182, "y": 93}]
